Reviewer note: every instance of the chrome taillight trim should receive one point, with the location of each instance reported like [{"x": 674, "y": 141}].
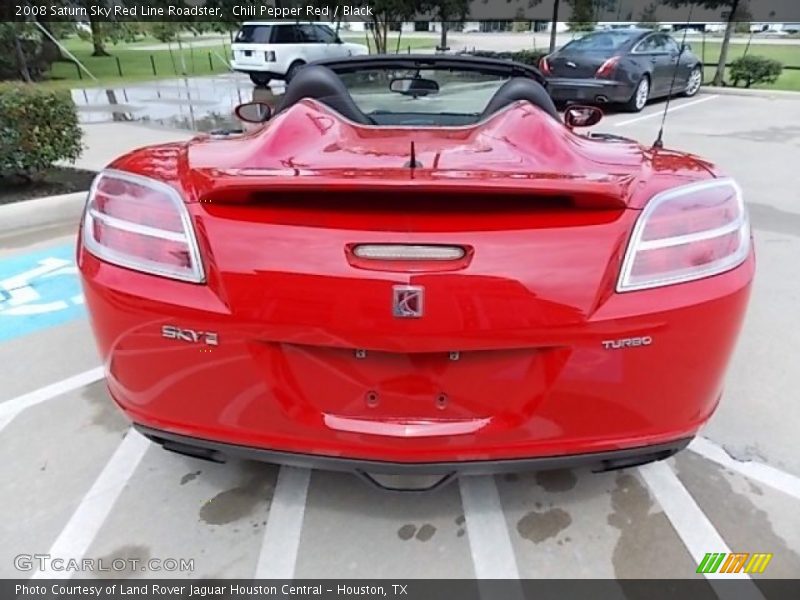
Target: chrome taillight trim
[
  {"x": 635, "y": 243},
  {"x": 196, "y": 273}
]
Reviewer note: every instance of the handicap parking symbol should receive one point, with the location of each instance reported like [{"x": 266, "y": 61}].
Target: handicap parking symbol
[{"x": 39, "y": 290}]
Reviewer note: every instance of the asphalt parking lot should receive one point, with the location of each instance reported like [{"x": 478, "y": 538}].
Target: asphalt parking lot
[{"x": 79, "y": 483}]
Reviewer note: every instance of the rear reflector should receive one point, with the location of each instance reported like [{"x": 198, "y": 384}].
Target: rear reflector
[
  {"x": 142, "y": 224},
  {"x": 408, "y": 252}
]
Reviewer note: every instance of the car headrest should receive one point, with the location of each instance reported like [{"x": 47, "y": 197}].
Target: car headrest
[
  {"x": 322, "y": 84},
  {"x": 520, "y": 88}
]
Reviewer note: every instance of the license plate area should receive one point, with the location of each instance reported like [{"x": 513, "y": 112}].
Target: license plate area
[{"x": 405, "y": 388}]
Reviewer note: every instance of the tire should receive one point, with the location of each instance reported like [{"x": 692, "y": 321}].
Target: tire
[
  {"x": 259, "y": 79},
  {"x": 293, "y": 68},
  {"x": 640, "y": 96},
  {"x": 694, "y": 82}
]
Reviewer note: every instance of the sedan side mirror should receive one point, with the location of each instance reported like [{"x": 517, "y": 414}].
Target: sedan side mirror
[
  {"x": 686, "y": 47},
  {"x": 253, "y": 112},
  {"x": 582, "y": 116}
]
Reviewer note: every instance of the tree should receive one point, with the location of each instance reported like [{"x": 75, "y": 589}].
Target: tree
[
  {"x": 582, "y": 17},
  {"x": 648, "y": 18},
  {"x": 386, "y": 12},
  {"x": 554, "y": 26},
  {"x": 21, "y": 52},
  {"x": 733, "y": 9},
  {"x": 446, "y": 11}
]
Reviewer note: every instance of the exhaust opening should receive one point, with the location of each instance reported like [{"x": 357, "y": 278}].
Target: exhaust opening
[
  {"x": 189, "y": 450},
  {"x": 615, "y": 464}
]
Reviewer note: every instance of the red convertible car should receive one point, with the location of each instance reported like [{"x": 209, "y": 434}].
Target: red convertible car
[{"x": 414, "y": 265}]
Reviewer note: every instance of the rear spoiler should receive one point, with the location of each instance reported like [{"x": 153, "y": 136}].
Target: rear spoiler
[{"x": 253, "y": 185}]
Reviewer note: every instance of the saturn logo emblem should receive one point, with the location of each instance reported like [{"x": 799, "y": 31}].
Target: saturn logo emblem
[{"x": 407, "y": 301}]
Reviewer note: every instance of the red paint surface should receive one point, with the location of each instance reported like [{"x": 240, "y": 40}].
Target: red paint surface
[{"x": 545, "y": 215}]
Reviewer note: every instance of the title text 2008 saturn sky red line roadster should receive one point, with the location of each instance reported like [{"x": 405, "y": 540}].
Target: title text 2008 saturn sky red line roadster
[{"x": 415, "y": 266}]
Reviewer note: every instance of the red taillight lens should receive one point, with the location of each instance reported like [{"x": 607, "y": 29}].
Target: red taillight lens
[
  {"x": 544, "y": 66},
  {"x": 687, "y": 233},
  {"x": 142, "y": 224},
  {"x": 606, "y": 70}
]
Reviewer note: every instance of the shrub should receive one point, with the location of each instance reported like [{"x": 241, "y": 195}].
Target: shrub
[
  {"x": 755, "y": 69},
  {"x": 37, "y": 128}
]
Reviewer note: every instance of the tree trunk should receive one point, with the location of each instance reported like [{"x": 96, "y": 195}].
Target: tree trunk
[
  {"x": 554, "y": 26},
  {"x": 377, "y": 33},
  {"x": 719, "y": 76},
  {"x": 97, "y": 39},
  {"x": 21, "y": 62},
  {"x": 443, "y": 37},
  {"x": 50, "y": 50}
]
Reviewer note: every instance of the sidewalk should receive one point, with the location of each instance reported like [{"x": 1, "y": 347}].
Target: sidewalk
[{"x": 103, "y": 142}]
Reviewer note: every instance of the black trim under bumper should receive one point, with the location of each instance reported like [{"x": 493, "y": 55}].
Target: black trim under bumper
[{"x": 598, "y": 461}]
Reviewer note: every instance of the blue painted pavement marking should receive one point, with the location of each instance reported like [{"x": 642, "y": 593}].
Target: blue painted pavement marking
[{"x": 39, "y": 290}]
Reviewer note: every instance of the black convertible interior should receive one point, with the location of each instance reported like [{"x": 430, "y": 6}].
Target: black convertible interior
[{"x": 322, "y": 82}]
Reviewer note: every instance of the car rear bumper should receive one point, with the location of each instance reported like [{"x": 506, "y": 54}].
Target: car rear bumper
[
  {"x": 271, "y": 69},
  {"x": 597, "y": 461},
  {"x": 600, "y": 91},
  {"x": 520, "y": 393}
]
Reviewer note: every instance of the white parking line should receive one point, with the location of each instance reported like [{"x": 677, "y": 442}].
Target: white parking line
[
  {"x": 82, "y": 527},
  {"x": 690, "y": 522},
  {"x": 278, "y": 555},
  {"x": 692, "y": 525},
  {"x": 11, "y": 408},
  {"x": 661, "y": 112},
  {"x": 489, "y": 542},
  {"x": 775, "y": 478}
]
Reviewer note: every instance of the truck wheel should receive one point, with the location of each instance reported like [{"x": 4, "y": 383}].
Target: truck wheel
[
  {"x": 259, "y": 79},
  {"x": 293, "y": 68}
]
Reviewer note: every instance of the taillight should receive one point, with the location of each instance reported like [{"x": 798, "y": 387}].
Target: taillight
[
  {"x": 607, "y": 68},
  {"x": 687, "y": 233},
  {"x": 142, "y": 224},
  {"x": 544, "y": 66}
]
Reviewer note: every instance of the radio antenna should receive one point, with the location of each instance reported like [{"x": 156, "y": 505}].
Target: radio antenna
[
  {"x": 659, "y": 143},
  {"x": 413, "y": 163}
]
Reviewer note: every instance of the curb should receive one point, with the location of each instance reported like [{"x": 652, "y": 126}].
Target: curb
[
  {"x": 39, "y": 212},
  {"x": 732, "y": 91}
]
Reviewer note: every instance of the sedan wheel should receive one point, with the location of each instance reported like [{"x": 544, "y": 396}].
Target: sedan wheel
[
  {"x": 695, "y": 80},
  {"x": 639, "y": 99}
]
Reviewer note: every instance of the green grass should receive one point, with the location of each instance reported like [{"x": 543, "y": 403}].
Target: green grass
[
  {"x": 136, "y": 65},
  {"x": 414, "y": 43},
  {"x": 785, "y": 53}
]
